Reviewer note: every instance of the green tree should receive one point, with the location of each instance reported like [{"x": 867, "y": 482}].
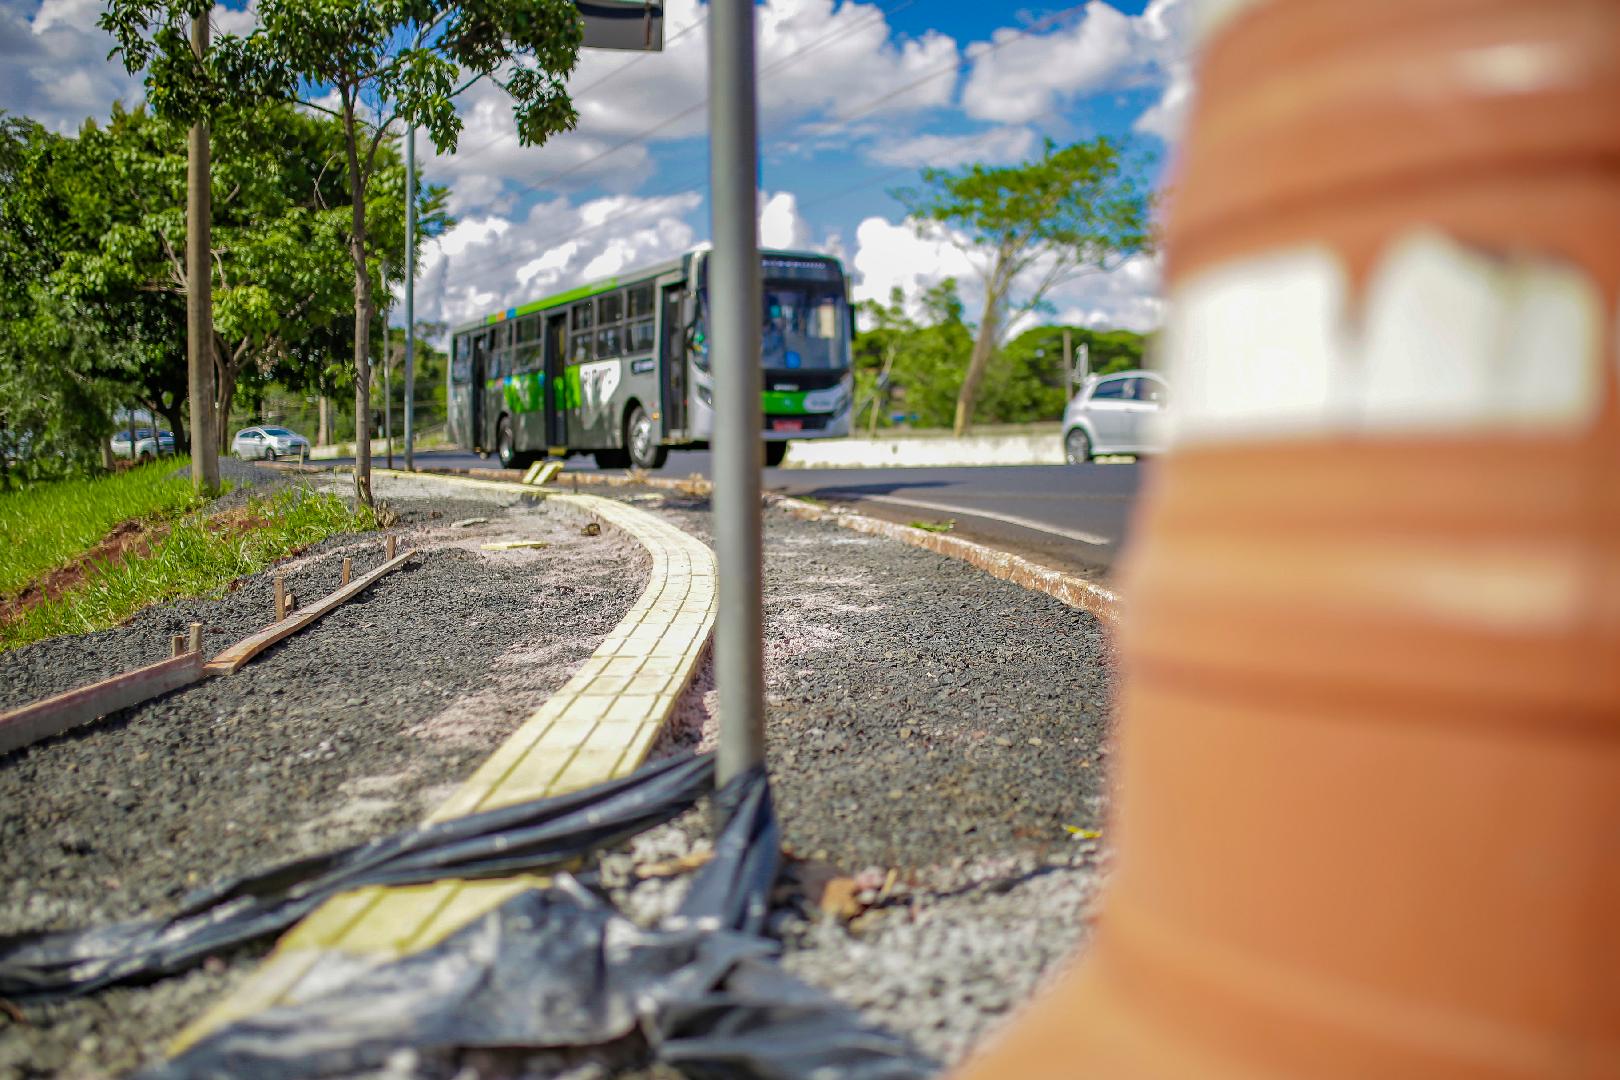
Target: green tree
[
  {"x": 1025, "y": 381},
  {"x": 64, "y": 364},
  {"x": 913, "y": 364},
  {"x": 1031, "y": 227},
  {"x": 400, "y": 63}
]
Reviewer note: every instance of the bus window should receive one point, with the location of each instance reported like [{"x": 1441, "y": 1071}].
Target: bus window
[
  {"x": 579, "y": 348},
  {"x": 640, "y": 337},
  {"x": 607, "y": 342},
  {"x": 639, "y": 302},
  {"x": 609, "y": 309},
  {"x": 581, "y": 317},
  {"x": 528, "y": 330},
  {"x": 461, "y": 367}
]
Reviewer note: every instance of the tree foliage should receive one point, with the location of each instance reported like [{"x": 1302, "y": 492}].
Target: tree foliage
[
  {"x": 386, "y": 64},
  {"x": 1029, "y": 228},
  {"x": 908, "y": 363},
  {"x": 93, "y": 279}
]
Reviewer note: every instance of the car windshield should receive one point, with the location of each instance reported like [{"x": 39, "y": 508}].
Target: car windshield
[
  {"x": 277, "y": 431},
  {"x": 804, "y": 326}
]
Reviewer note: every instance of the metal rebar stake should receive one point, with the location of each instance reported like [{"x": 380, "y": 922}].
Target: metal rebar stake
[{"x": 734, "y": 304}]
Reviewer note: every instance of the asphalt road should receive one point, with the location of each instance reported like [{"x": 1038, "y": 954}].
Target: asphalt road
[{"x": 1074, "y": 517}]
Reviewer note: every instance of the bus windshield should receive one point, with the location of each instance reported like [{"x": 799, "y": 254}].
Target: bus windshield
[{"x": 806, "y": 326}]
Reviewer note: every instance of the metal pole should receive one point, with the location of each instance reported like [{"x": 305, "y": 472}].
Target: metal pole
[
  {"x": 410, "y": 300},
  {"x": 735, "y": 304},
  {"x": 199, "y": 293}
]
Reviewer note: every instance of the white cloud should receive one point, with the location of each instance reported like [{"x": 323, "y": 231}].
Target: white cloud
[
  {"x": 820, "y": 64},
  {"x": 890, "y": 255},
  {"x": 997, "y": 145},
  {"x": 1027, "y": 78},
  {"x": 780, "y": 225},
  {"x": 485, "y": 264},
  {"x": 1166, "y": 29},
  {"x": 1032, "y": 77},
  {"x": 54, "y": 65}
]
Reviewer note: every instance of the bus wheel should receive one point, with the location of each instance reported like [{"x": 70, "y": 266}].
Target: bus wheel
[
  {"x": 505, "y": 448},
  {"x": 644, "y": 451},
  {"x": 775, "y": 453}
]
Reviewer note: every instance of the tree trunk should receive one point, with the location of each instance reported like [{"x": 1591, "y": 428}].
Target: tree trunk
[
  {"x": 362, "y": 315},
  {"x": 225, "y": 372},
  {"x": 323, "y": 430},
  {"x": 984, "y": 347},
  {"x": 172, "y": 413}
]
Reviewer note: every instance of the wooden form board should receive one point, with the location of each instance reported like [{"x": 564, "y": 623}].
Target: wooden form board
[
  {"x": 54, "y": 715},
  {"x": 227, "y": 662}
]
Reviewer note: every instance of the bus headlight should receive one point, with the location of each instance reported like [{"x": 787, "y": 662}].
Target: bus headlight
[
  {"x": 834, "y": 399},
  {"x": 705, "y": 395}
]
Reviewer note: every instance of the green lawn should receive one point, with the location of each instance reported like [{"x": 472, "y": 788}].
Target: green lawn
[
  {"x": 44, "y": 526},
  {"x": 198, "y": 556}
]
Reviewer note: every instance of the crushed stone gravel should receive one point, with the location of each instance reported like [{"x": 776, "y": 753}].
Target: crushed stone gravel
[
  {"x": 936, "y": 735},
  {"x": 351, "y": 729}
]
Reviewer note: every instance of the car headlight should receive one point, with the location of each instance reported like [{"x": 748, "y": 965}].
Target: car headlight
[{"x": 705, "y": 395}]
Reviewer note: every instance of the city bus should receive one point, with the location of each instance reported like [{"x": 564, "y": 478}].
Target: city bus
[{"x": 619, "y": 368}]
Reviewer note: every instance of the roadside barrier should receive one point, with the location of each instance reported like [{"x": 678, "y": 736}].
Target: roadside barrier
[{"x": 1369, "y": 731}]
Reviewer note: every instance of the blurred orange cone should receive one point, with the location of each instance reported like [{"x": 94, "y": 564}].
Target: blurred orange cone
[{"x": 1368, "y": 821}]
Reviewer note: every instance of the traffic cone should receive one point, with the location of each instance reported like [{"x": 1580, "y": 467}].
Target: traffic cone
[{"x": 1368, "y": 813}]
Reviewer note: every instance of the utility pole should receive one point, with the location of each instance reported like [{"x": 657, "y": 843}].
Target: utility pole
[
  {"x": 735, "y": 305},
  {"x": 1068, "y": 366},
  {"x": 410, "y": 305},
  {"x": 199, "y": 292}
]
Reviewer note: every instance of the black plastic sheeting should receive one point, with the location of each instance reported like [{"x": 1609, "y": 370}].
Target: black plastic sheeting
[
  {"x": 559, "y": 968},
  {"x": 528, "y": 837}
]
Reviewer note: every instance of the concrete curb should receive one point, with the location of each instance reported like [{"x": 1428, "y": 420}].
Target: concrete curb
[
  {"x": 1076, "y": 592},
  {"x": 598, "y": 726}
]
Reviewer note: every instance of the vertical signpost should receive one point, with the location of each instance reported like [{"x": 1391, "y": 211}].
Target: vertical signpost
[{"x": 734, "y": 307}]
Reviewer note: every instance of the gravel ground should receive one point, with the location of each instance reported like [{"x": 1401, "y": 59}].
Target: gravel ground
[
  {"x": 351, "y": 729},
  {"x": 937, "y": 739},
  {"x": 934, "y": 734}
]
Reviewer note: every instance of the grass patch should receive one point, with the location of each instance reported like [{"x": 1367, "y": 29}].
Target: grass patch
[
  {"x": 934, "y": 526},
  {"x": 47, "y": 525},
  {"x": 199, "y": 557}
]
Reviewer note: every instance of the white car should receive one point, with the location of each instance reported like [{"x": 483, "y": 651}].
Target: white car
[
  {"x": 142, "y": 443},
  {"x": 267, "y": 443},
  {"x": 1116, "y": 414}
]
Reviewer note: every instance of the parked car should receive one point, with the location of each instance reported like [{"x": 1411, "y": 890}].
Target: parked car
[
  {"x": 142, "y": 443},
  {"x": 1116, "y": 414},
  {"x": 267, "y": 443}
]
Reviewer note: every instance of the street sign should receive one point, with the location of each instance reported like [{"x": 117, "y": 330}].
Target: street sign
[{"x": 636, "y": 25}]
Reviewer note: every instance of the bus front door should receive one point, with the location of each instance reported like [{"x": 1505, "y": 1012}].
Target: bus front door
[
  {"x": 475, "y": 399},
  {"x": 556, "y": 403},
  {"x": 674, "y": 360}
]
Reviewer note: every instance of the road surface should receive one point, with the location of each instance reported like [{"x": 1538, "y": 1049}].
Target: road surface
[{"x": 1071, "y": 517}]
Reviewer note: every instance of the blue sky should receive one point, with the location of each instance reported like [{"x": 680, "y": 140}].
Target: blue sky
[{"x": 855, "y": 97}]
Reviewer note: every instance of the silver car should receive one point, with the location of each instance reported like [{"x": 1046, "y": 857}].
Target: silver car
[
  {"x": 1115, "y": 414},
  {"x": 267, "y": 443},
  {"x": 142, "y": 444}
]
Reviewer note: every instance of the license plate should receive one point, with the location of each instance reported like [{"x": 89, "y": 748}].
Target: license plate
[{"x": 787, "y": 425}]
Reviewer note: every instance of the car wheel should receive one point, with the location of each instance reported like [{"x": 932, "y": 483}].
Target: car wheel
[
  {"x": 269, "y": 454},
  {"x": 1077, "y": 446},
  {"x": 640, "y": 444},
  {"x": 775, "y": 453}
]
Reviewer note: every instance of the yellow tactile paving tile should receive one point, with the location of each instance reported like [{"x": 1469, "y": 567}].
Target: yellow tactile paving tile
[{"x": 599, "y": 726}]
